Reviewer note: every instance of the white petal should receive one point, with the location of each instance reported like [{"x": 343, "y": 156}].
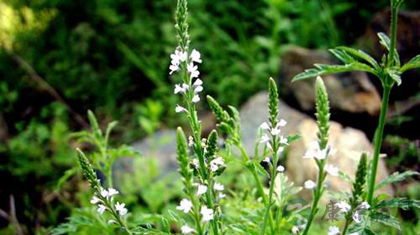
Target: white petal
[
  {"x": 179, "y": 109},
  {"x": 219, "y": 187},
  {"x": 280, "y": 168},
  {"x": 265, "y": 126},
  {"x": 309, "y": 184},
  {"x": 195, "y": 99},
  {"x": 332, "y": 170},
  {"x": 333, "y": 230}
]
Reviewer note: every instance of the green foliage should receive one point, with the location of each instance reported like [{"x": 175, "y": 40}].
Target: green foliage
[
  {"x": 273, "y": 102},
  {"x": 322, "y": 112},
  {"x": 396, "y": 177}
]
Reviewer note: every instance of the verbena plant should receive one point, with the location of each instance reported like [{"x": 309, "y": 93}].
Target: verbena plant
[{"x": 202, "y": 161}]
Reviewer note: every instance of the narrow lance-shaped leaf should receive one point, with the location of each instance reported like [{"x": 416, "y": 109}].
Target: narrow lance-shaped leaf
[
  {"x": 412, "y": 64},
  {"x": 386, "y": 42},
  {"x": 385, "y": 219},
  {"x": 396, "y": 177},
  {"x": 361, "y": 55},
  {"x": 402, "y": 203}
]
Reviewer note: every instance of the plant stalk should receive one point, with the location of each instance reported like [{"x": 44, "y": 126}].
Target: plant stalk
[{"x": 378, "y": 143}]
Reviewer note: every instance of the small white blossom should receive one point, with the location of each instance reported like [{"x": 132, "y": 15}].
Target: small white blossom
[
  {"x": 332, "y": 170},
  {"x": 173, "y": 68},
  {"x": 357, "y": 217},
  {"x": 195, "y": 56},
  {"x": 354, "y": 233},
  {"x": 216, "y": 163},
  {"x": 206, "y": 213},
  {"x": 180, "y": 88},
  {"x": 196, "y": 163},
  {"x": 202, "y": 189},
  {"x": 282, "y": 122},
  {"x": 104, "y": 193},
  {"x": 120, "y": 207},
  {"x": 190, "y": 141},
  {"x": 195, "y": 99},
  {"x": 198, "y": 82},
  {"x": 185, "y": 205},
  {"x": 264, "y": 139},
  {"x": 94, "y": 200},
  {"x": 364, "y": 206},
  {"x": 198, "y": 89},
  {"x": 111, "y": 221},
  {"x": 280, "y": 168},
  {"x": 333, "y": 230},
  {"x": 193, "y": 70},
  {"x": 309, "y": 184},
  {"x": 219, "y": 187},
  {"x": 179, "y": 109},
  {"x": 283, "y": 140},
  {"x": 112, "y": 192},
  {"x": 265, "y": 126},
  {"x": 222, "y": 195},
  {"x": 186, "y": 229},
  {"x": 344, "y": 206},
  {"x": 315, "y": 152},
  {"x": 295, "y": 230},
  {"x": 267, "y": 160},
  {"x": 101, "y": 208},
  {"x": 275, "y": 131}
]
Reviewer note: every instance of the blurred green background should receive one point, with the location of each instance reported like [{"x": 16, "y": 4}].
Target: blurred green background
[{"x": 59, "y": 58}]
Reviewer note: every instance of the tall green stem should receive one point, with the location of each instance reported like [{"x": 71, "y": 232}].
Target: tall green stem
[
  {"x": 317, "y": 196},
  {"x": 378, "y": 142},
  {"x": 394, "y": 21}
]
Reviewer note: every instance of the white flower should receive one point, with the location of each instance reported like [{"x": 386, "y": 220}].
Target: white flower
[
  {"x": 195, "y": 56},
  {"x": 173, "y": 68},
  {"x": 267, "y": 160},
  {"x": 309, "y": 184},
  {"x": 315, "y": 152},
  {"x": 185, "y": 205},
  {"x": 275, "y": 131},
  {"x": 176, "y": 59},
  {"x": 344, "y": 206},
  {"x": 332, "y": 170},
  {"x": 195, "y": 99},
  {"x": 216, "y": 163},
  {"x": 197, "y": 82},
  {"x": 265, "y": 126},
  {"x": 295, "y": 230},
  {"x": 222, "y": 195},
  {"x": 101, "y": 208},
  {"x": 193, "y": 70},
  {"x": 179, "y": 109},
  {"x": 94, "y": 200},
  {"x": 180, "y": 88},
  {"x": 121, "y": 208},
  {"x": 206, "y": 213},
  {"x": 190, "y": 141},
  {"x": 202, "y": 189},
  {"x": 354, "y": 234},
  {"x": 264, "y": 139},
  {"x": 282, "y": 122},
  {"x": 112, "y": 192},
  {"x": 219, "y": 187},
  {"x": 198, "y": 89},
  {"x": 196, "y": 163},
  {"x": 104, "y": 192},
  {"x": 186, "y": 230},
  {"x": 283, "y": 140},
  {"x": 280, "y": 168},
  {"x": 364, "y": 205},
  {"x": 333, "y": 230},
  {"x": 357, "y": 217}
]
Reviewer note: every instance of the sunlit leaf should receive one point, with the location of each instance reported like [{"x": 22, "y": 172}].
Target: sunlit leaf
[
  {"x": 396, "y": 177},
  {"x": 412, "y": 64}
]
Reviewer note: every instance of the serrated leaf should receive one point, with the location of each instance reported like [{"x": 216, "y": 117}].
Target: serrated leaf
[
  {"x": 412, "y": 64},
  {"x": 385, "y": 219},
  {"x": 386, "y": 42},
  {"x": 342, "y": 55},
  {"x": 261, "y": 169},
  {"x": 402, "y": 203},
  {"x": 394, "y": 74},
  {"x": 361, "y": 55},
  {"x": 325, "y": 69},
  {"x": 293, "y": 138},
  {"x": 396, "y": 177}
]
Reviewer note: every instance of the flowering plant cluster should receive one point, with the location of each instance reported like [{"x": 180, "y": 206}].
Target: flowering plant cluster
[{"x": 202, "y": 209}]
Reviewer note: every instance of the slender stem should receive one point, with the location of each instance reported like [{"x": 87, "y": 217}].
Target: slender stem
[
  {"x": 394, "y": 21},
  {"x": 346, "y": 226},
  {"x": 317, "y": 196},
  {"x": 378, "y": 142},
  {"x": 257, "y": 180}
]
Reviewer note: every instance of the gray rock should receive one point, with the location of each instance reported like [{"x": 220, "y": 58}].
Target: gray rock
[{"x": 349, "y": 92}]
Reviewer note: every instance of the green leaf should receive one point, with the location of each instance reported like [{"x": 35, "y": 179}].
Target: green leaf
[
  {"x": 402, "y": 203},
  {"x": 325, "y": 69},
  {"x": 386, "y": 42},
  {"x": 367, "y": 231},
  {"x": 412, "y": 64},
  {"x": 396, "y": 177},
  {"x": 385, "y": 219},
  {"x": 394, "y": 74},
  {"x": 342, "y": 55},
  {"x": 109, "y": 129},
  {"x": 361, "y": 55}
]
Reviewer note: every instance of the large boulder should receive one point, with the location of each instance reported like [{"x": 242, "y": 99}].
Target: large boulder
[{"x": 349, "y": 92}]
